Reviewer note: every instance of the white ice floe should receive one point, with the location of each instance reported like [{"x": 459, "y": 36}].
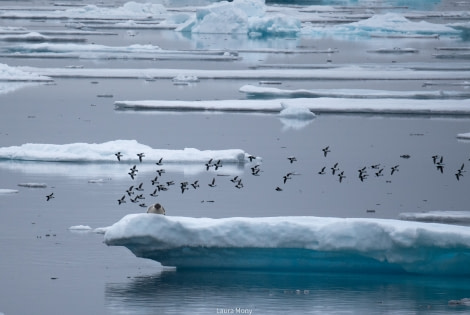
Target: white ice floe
[
  {"x": 185, "y": 79},
  {"x": 38, "y": 37},
  {"x": 353, "y": 72},
  {"x": 296, "y": 243},
  {"x": 129, "y": 10},
  {"x": 294, "y": 112},
  {"x": 80, "y": 228},
  {"x": 240, "y": 17},
  {"x": 381, "y": 24},
  {"x": 105, "y": 152},
  {"x": 465, "y": 136},
  {"x": 33, "y": 185},
  {"x": 457, "y": 217},
  {"x": 317, "y": 105},
  {"x": 8, "y": 73},
  {"x": 7, "y": 191},
  {"x": 95, "y": 51},
  {"x": 262, "y": 91}
]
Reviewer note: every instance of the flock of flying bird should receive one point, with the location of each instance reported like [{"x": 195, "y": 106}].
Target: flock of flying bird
[
  {"x": 135, "y": 195},
  {"x": 164, "y": 186}
]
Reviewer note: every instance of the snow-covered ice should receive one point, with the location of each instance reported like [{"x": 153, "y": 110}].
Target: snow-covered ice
[
  {"x": 262, "y": 91},
  {"x": 294, "y": 112},
  {"x": 317, "y": 105},
  {"x": 381, "y": 24},
  {"x": 240, "y": 17},
  {"x": 105, "y": 152},
  {"x": 80, "y": 228},
  {"x": 457, "y": 217},
  {"x": 8, "y": 73},
  {"x": 296, "y": 243},
  {"x": 465, "y": 136},
  {"x": 8, "y": 191}
]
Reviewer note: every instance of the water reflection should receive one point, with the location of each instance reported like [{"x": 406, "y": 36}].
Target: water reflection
[{"x": 172, "y": 292}]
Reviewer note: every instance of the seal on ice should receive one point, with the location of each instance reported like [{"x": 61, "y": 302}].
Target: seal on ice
[{"x": 156, "y": 208}]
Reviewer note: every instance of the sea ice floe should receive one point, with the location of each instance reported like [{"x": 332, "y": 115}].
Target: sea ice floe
[
  {"x": 105, "y": 152},
  {"x": 296, "y": 243},
  {"x": 464, "y": 135},
  {"x": 8, "y": 73},
  {"x": 7, "y": 191},
  {"x": 80, "y": 228},
  {"x": 294, "y": 112},
  {"x": 457, "y": 217},
  {"x": 33, "y": 185}
]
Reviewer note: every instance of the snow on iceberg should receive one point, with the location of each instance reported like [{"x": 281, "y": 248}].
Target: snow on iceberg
[
  {"x": 381, "y": 24},
  {"x": 457, "y": 217},
  {"x": 296, "y": 243},
  {"x": 105, "y": 152},
  {"x": 240, "y": 17},
  {"x": 270, "y": 92}
]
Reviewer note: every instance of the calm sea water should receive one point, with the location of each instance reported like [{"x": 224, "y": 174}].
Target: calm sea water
[{"x": 46, "y": 268}]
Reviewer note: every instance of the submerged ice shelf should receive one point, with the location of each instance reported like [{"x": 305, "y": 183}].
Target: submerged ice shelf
[{"x": 296, "y": 244}]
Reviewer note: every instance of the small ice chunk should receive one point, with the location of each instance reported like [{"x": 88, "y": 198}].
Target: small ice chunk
[
  {"x": 33, "y": 185},
  {"x": 80, "y": 228},
  {"x": 296, "y": 112},
  {"x": 8, "y": 191}
]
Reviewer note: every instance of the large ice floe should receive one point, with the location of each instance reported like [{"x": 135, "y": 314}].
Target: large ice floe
[
  {"x": 105, "y": 152},
  {"x": 317, "y": 105},
  {"x": 240, "y": 17},
  {"x": 296, "y": 244}
]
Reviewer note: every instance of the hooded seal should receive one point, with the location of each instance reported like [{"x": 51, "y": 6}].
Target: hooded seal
[{"x": 156, "y": 208}]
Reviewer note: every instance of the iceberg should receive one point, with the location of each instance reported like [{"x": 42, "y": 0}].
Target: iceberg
[
  {"x": 240, "y": 17},
  {"x": 296, "y": 244},
  {"x": 453, "y": 217},
  {"x": 105, "y": 152},
  {"x": 465, "y": 136}
]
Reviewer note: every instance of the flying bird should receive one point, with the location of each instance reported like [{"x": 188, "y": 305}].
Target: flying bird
[
  {"x": 394, "y": 169},
  {"x": 118, "y": 155},
  {"x": 122, "y": 199},
  {"x": 292, "y": 159},
  {"x": 326, "y": 151},
  {"x": 154, "y": 194},
  {"x": 195, "y": 184},
  {"x": 212, "y": 184},
  {"x": 334, "y": 168},
  {"x": 140, "y": 155},
  {"x": 49, "y": 197},
  {"x": 139, "y": 188},
  {"x": 160, "y": 162},
  {"x": 341, "y": 176},
  {"x": 322, "y": 171},
  {"x": 160, "y": 172},
  {"x": 129, "y": 191},
  {"x": 251, "y": 158},
  {"x": 278, "y": 188}
]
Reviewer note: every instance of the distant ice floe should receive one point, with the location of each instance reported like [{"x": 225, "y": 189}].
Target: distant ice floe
[
  {"x": 453, "y": 217},
  {"x": 296, "y": 244},
  {"x": 39, "y": 38},
  {"x": 7, "y": 191},
  {"x": 94, "y": 51},
  {"x": 105, "y": 152},
  {"x": 33, "y": 185},
  {"x": 129, "y": 10},
  {"x": 465, "y": 136},
  {"x": 240, "y": 17},
  {"x": 80, "y": 228},
  {"x": 317, "y": 105},
  {"x": 294, "y": 112},
  {"x": 353, "y": 72},
  {"x": 10, "y": 74},
  {"x": 270, "y": 92},
  {"x": 389, "y": 24}
]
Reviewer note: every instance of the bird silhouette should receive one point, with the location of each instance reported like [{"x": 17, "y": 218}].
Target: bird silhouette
[
  {"x": 50, "y": 196},
  {"x": 218, "y": 164},
  {"x": 160, "y": 162},
  {"x": 160, "y": 172},
  {"x": 341, "y": 176},
  {"x": 394, "y": 169},
  {"x": 154, "y": 194},
  {"x": 334, "y": 168},
  {"x": 140, "y": 155},
  {"x": 122, "y": 199},
  {"x": 326, "y": 151},
  {"x": 132, "y": 174},
  {"x": 184, "y": 186},
  {"x": 251, "y": 158},
  {"x": 292, "y": 159},
  {"x": 239, "y": 184},
  {"x": 322, "y": 171},
  {"x": 129, "y": 191},
  {"x": 208, "y": 164},
  {"x": 118, "y": 155},
  {"x": 139, "y": 188},
  {"x": 195, "y": 184},
  {"x": 233, "y": 180},
  {"x": 155, "y": 180},
  {"x": 379, "y": 173},
  {"x": 278, "y": 188},
  {"x": 212, "y": 184}
]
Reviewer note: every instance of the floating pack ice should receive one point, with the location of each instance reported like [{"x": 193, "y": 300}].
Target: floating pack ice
[
  {"x": 381, "y": 25},
  {"x": 8, "y": 73},
  {"x": 454, "y": 217},
  {"x": 296, "y": 244},
  {"x": 105, "y": 152},
  {"x": 240, "y": 17}
]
